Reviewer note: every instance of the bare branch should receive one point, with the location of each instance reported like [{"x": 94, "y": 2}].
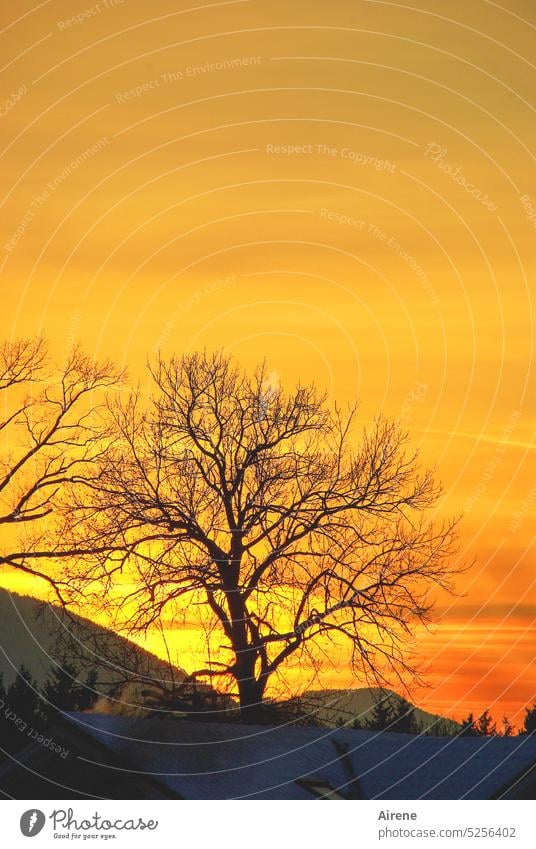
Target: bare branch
[{"x": 291, "y": 529}]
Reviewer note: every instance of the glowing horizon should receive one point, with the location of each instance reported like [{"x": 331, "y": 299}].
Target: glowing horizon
[{"x": 347, "y": 193}]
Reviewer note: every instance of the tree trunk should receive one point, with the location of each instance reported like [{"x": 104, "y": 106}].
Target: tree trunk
[{"x": 250, "y": 693}]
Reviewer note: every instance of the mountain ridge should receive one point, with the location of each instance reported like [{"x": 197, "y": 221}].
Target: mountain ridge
[
  {"x": 335, "y": 706},
  {"x": 42, "y": 635}
]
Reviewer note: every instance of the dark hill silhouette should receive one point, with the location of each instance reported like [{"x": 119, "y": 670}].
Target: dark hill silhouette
[
  {"x": 335, "y": 707},
  {"x": 41, "y": 636}
]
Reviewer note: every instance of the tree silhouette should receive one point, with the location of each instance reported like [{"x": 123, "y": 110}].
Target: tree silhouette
[
  {"x": 507, "y": 727},
  {"x": 483, "y": 726},
  {"x": 380, "y": 716},
  {"x": 63, "y": 691},
  {"x": 87, "y": 693},
  {"x": 51, "y": 439},
  {"x": 404, "y": 720},
  {"x": 22, "y": 698},
  {"x": 267, "y": 510},
  {"x": 391, "y": 713},
  {"x": 468, "y": 727},
  {"x": 529, "y": 725},
  {"x": 19, "y": 712},
  {"x": 25, "y": 707},
  {"x": 3, "y": 723},
  {"x": 441, "y": 728}
]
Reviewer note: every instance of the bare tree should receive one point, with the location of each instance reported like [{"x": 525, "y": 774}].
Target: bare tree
[
  {"x": 268, "y": 511},
  {"x": 50, "y": 436}
]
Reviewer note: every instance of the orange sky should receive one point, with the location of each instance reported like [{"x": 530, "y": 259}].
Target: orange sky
[{"x": 345, "y": 188}]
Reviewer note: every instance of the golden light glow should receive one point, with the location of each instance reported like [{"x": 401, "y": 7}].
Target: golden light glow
[{"x": 344, "y": 189}]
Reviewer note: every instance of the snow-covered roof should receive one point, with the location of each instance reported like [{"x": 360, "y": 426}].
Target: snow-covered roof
[{"x": 207, "y": 760}]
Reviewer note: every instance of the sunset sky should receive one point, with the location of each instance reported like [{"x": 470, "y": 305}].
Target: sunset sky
[{"x": 347, "y": 189}]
